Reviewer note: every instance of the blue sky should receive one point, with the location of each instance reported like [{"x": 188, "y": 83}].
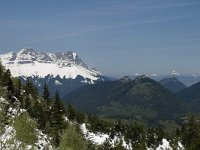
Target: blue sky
[{"x": 119, "y": 37}]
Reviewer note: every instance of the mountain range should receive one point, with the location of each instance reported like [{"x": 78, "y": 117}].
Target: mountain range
[
  {"x": 66, "y": 71},
  {"x": 63, "y": 71},
  {"x": 186, "y": 79}
]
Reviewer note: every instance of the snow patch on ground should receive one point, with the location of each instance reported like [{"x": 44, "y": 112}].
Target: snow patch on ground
[
  {"x": 96, "y": 138},
  {"x": 166, "y": 146},
  {"x": 2, "y": 100},
  {"x": 13, "y": 112},
  {"x": 43, "y": 140},
  {"x": 100, "y": 138}
]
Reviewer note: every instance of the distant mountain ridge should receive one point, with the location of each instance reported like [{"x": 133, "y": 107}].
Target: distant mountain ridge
[
  {"x": 187, "y": 80},
  {"x": 172, "y": 84},
  {"x": 191, "y": 94}
]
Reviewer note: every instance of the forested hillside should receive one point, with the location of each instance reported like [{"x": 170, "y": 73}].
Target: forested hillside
[{"x": 141, "y": 99}]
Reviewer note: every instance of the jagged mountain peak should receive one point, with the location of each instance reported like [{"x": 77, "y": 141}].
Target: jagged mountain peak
[
  {"x": 29, "y": 62},
  {"x": 27, "y": 50},
  {"x": 66, "y": 55},
  {"x": 30, "y": 54}
]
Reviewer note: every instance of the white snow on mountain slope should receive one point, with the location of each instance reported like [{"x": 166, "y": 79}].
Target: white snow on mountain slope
[{"x": 28, "y": 62}]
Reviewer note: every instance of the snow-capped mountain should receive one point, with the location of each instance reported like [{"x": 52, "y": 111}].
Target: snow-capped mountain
[
  {"x": 63, "y": 71},
  {"x": 28, "y": 62}
]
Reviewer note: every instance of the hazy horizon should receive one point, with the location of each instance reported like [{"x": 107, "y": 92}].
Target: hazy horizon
[{"x": 118, "y": 37}]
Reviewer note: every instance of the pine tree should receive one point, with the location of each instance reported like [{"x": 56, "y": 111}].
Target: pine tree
[
  {"x": 95, "y": 124},
  {"x": 30, "y": 89},
  {"x": 18, "y": 89},
  {"x": 47, "y": 112},
  {"x": 8, "y": 83},
  {"x": 46, "y": 93},
  {"x": 57, "y": 108},
  {"x": 56, "y": 119},
  {"x": 71, "y": 112},
  {"x": 2, "y": 70},
  {"x": 42, "y": 116},
  {"x": 30, "y": 94},
  {"x": 80, "y": 117}
]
